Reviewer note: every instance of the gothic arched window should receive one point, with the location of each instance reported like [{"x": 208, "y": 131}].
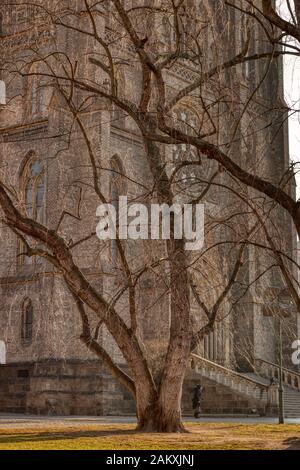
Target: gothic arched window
[
  {"x": 117, "y": 189},
  {"x": 27, "y": 321},
  {"x": 192, "y": 177},
  {"x": 33, "y": 194},
  {"x": 188, "y": 122},
  {"x": 36, "y": 98},
  {"x": 34, "y": 189},
  {"x": 118, "y": 114}
]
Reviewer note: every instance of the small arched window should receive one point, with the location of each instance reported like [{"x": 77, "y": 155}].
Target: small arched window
[{"x": 27, "y": 321}]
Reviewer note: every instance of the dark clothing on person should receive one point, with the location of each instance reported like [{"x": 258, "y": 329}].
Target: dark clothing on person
[{"x": 197, "y": 397}]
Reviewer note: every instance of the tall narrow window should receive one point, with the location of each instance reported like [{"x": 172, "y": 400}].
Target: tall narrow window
[
  {"x": 35, "y": 98},
  {"x": 118, "y": 114},
  {"x": 117, "y": 189},
  {"x": 35, "y": 190},
  {"x": 189, "y": 177},
  {"x": 36, "y": 93},
  {"x": 33, "y": 182},
  {"x": 27, "y": 321}
]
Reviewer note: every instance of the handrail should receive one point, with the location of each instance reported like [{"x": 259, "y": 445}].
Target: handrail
[
  {"x": 266, "y": 396},
  {"x": 230, "y": 372},
  {"x": 290, "y": 377},
  {"x": 290, "y": 371}
]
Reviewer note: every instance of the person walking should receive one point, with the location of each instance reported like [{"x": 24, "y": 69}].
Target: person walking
[{"x": 197, "y": 398}]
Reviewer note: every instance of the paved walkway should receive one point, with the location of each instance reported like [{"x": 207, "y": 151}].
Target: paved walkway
[{"x": 22, "y": 421}]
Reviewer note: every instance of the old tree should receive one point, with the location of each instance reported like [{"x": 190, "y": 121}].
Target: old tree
[{"x": 168, "y": 71}]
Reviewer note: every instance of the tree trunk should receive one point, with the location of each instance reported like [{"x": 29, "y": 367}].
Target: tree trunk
[
  {"x": 178, "y": 354},
  {"x": 161, "y": 417},
  {"x": 163, "y": 413}
]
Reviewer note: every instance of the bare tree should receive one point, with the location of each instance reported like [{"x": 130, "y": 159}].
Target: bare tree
[{"x": 152, "y": 45}]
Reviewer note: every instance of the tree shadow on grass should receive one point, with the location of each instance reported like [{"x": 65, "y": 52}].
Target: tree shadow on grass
[
  {"x": 61, "y": 435},
  {"x": 292, "y": 443}
]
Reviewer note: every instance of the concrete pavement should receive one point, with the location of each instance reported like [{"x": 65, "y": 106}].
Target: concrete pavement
[{"x": 23, "y": 421}]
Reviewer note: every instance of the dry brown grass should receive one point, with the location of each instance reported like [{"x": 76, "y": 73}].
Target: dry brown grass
[{"x": 201, "y": 436}]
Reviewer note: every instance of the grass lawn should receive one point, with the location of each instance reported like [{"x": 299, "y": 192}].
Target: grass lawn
[{"x": 201, "y": 436}]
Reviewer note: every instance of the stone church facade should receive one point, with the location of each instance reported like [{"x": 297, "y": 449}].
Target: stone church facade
[{"x": 47, "y": 369}]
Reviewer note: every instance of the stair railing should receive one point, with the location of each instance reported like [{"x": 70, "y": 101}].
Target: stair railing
[
  {"x": 241, "y": 384},
  {"x": 271, "y": 370}
]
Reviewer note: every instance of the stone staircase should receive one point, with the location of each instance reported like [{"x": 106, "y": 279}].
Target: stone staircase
[
  {"x": 291, "y": 403},
  {"x": 253, "y": 387},
  {"x": 291, "y": 383},
  {"x": 240, "y": 394},
  {"x": 291, "y": 397}
]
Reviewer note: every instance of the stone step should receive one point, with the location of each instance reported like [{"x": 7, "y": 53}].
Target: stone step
[
  {"x": 291, "y": 399},
  {"x": 291, "y": 396}
]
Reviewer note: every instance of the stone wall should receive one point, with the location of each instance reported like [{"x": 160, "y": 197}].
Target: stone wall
[
  {"x": 14, "y": 387},
  {"x": 85, "y": 388},
  {"x": 62, "y": 388}
]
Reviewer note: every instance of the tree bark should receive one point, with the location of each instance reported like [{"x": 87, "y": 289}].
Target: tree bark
[
  {"x": 164, "y": 415},
  {"x": 180, "y": 336},
  {"x": 160, "y": 417}
]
